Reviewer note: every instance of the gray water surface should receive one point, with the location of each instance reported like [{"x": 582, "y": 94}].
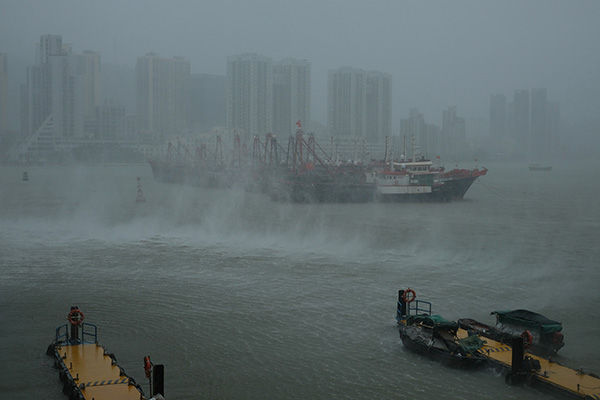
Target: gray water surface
[{"x": 244, "y": 298}]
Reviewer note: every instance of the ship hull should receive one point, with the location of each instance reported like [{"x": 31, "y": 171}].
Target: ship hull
[
  {"x": 314, "y": 192},
  {"x": 455, "y": 189},
  {"x": 423, "y": 195},
  {"x": 418, "y": 341},
  {"x": 451, "y": 189}
]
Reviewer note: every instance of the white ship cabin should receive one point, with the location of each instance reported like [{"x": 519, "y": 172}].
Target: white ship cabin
[{"x": 413, "y": 167}]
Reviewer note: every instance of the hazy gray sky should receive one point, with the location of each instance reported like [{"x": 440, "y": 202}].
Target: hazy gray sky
[{"x": 438, "y": 52}]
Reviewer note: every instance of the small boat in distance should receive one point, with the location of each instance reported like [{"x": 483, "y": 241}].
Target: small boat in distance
[
  {"x": 25, "y": 176},
  {"x": 539, "y": 167}
]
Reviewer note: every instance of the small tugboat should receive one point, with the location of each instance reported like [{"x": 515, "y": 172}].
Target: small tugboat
[
  {"x": 542, "y": 335},
  {"x": 434, "y": 336},
  {"x": 89, "y": 372}
]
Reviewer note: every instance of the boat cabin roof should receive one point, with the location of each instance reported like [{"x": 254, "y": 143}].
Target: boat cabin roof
[{"x": 403, "y": 164}]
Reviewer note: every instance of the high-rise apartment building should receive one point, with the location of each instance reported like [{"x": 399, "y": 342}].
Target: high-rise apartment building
[
  {"x": 62, "y": 87},
  {"x": 89, "y": 68},
  {"x": 498, "y": 116},
  {"x": 3, "y": 93},
  {"x": 181, "y": 71},
  {"x": 359, "y": 104},
  {"x": 413, "y": 130},
  {"x": 418, "y": 137},
  {"x": 249, "y": 95},
  {"x": 434, "y": 147},
  {"x": 379, "y": 106},
  {"x": 346, "y": 102},
  {"x": 540, "y": 138},
  {"x": 49, "y": 45},
  {"x": 520, "y": 116},
  {"x": 109, "y": 121},
  {"x": 454, "y": 132},
  {"x": 36, "y": 93},
  {"x": 39, "y": 80},
  {"x": 291, "y": 95},
  {"x": 532, "y": 123},
  {"x": 66, "y": 95},
  {"x": 553, "y": 124},
  {"x": 162, "y": 94}
]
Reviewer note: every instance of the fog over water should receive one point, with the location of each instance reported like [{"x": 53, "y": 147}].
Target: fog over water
[{"x": 241, "y": 297}]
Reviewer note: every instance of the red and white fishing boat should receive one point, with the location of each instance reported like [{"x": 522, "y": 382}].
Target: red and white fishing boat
[{"x": 420, "y": 180}]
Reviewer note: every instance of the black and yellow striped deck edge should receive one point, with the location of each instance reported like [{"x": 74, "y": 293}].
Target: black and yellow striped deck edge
[
  {"x": 89, "y": 372},
  {"x": 552, "y": 375}
]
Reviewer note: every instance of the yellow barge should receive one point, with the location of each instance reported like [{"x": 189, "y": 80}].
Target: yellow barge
[
  {"x": 88, "y": 371},
  {"x": 551, "y": 374},
  {"x": 519, "y": 365}
]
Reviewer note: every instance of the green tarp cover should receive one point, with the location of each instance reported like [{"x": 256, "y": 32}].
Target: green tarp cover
[
  {"x": 436, "y": 321},
  {"x": 471, "y": 344},
  {"x": 528, "y": 319}
]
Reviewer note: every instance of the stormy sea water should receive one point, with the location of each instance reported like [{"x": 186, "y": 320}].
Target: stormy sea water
[{"x": 243, "y": 298}]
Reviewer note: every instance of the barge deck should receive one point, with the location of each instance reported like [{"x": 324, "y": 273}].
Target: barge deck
[
  {"x": 522, "y": 366},
  {"x": 89, "y": 372}
]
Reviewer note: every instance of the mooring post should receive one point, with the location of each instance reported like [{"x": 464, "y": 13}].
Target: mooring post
[
  {"x": 158, "y": 380},
  {"x": 401, "y": 308},
  {"x": 518, "y": 351},
  {"x": 517, "y": 372}
]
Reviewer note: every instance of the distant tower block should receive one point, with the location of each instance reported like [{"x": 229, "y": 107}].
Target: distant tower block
[{"x": 140, "y": 198}]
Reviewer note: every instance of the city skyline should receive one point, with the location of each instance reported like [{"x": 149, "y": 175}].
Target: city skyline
[
  {"x": 396, "y": 113},
  {"x": 463, "y": 53},
  {"x": 61, "y": 78}
]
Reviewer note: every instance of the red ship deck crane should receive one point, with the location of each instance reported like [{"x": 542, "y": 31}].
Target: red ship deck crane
[{"x": 271, "y": 155}]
